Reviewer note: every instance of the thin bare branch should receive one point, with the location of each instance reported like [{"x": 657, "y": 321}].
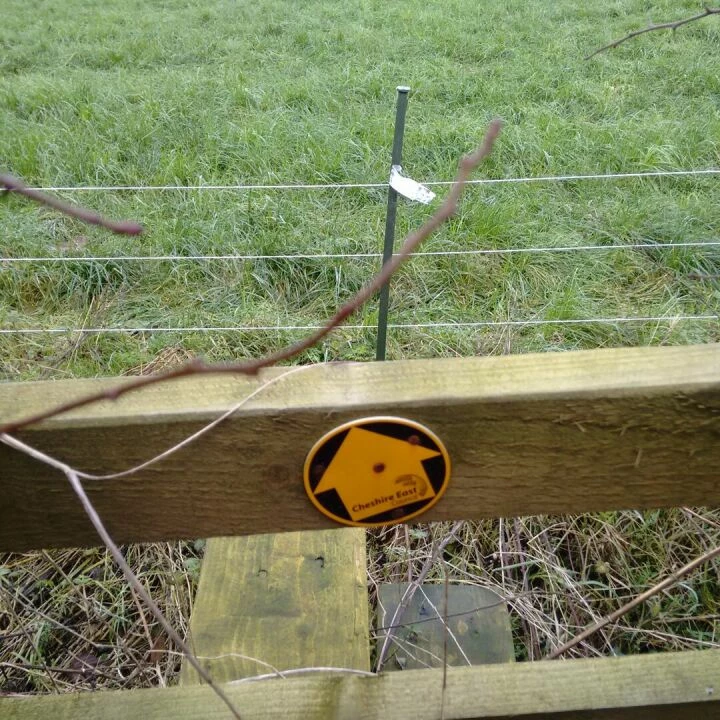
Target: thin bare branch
[
  {"x": 652, "y": 27},
  {"x": 304, "y": 671},
  {"x": 669, "y": 581},
  {"x": 123, "y": 227},
  {"x": 119, "y": 558},
  {"x": 252, "y": 367},
  {"x": 202, "y": 431},
  {"x": 74, "y": 477}
]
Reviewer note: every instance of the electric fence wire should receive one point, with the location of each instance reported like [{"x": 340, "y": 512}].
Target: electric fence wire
[
  {"x": 394, "y": 326},
  {"x": 5, "y": 261},
  {"x": 372, "y": 185}
]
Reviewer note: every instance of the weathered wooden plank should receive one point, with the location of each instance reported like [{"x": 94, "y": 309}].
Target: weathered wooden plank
[
  {"x": 291, "y": 600},
  {"x": 553, "y": 433},
  {"x": 671, "y": 685}
]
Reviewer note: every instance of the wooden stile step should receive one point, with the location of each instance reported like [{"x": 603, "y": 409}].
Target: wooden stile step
[{"x": 291, "y": 600}]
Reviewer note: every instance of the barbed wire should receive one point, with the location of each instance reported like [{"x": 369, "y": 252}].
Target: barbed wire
[
  {"x": 371, "y": 185},
  {"x": 394, "y": 326}
]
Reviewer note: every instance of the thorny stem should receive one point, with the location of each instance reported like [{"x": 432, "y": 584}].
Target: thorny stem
[
  {"x": 252, "y": 367},
  {"x": 122, "y": 227},
  {"x": 650, "y": 28}
]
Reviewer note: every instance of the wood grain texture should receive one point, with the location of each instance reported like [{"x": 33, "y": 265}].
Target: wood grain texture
[
  {"x": 668, "y": 685},
  {"x": 292, "y": 600},
  {"x": 530, "y": 434}
]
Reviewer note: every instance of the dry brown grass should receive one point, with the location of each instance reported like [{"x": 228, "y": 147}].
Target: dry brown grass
[
  {"x": 68, "y": 620},
  {"x": 560, "y": 574}
]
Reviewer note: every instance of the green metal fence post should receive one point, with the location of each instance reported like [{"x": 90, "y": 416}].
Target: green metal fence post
[{"x": 402, "y": 100}]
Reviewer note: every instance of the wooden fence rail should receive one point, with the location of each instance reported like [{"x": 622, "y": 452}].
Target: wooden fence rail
[
  {"x": 533, "y": 434},
  {"x": 575, "y": 432},
  {"x": 664, "y": 686}
]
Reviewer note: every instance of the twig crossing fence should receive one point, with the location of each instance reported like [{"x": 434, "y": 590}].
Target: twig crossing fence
[{"x": 424, "y": 195}]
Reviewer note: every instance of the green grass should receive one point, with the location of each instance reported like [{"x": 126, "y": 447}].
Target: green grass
[
  {"x": 226, "y": 92},
  {"x": 154, "y": 93}
]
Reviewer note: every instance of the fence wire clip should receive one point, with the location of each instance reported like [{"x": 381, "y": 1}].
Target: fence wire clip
[{"x": 407, "y": 187}]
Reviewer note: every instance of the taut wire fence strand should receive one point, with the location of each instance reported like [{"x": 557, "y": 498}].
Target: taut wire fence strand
[
  {"x": 359, "y": 256},
  {"x": 376, "y": 185},
  {"x": 393, "y": 326}
]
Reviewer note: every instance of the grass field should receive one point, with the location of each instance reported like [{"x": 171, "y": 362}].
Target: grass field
[{"x": 180, "y": 93}]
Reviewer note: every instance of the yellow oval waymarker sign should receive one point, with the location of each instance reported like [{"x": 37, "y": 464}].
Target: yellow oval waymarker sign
[{"x": 376, "y": 471}]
